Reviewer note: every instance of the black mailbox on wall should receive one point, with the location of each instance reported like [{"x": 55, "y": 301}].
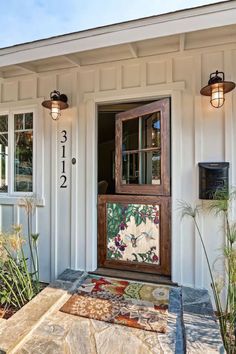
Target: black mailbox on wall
[{"x": 213, "y": 176}]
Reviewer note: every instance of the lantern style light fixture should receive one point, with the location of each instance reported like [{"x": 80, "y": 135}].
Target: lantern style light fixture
[
  {"x": 216, "y": 88},
  {"x": 56, "y": 103}
]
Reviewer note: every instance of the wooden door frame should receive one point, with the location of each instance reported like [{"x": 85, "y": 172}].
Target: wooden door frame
[
  {"x": 164, "y": 267},
  {"x": 88, "y": 110}
]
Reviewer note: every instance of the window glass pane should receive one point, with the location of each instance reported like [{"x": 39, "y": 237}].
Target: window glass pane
[
  {"x": 151, "y": 131},
  {"x": 23, "y": 158},
  {"x": 29, "y": 120},
  {"x": 4, "y": 123},
  {"x": 3, "y": 162},
  {"x": 19, "y": 121},
  {"x": 130, "y": 133}
]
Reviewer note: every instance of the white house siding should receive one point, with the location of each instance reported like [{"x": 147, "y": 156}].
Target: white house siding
[{"x": 67, "y": 220}]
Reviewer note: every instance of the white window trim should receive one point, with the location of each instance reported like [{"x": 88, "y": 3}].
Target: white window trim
[{"x": 34, "y": 106}]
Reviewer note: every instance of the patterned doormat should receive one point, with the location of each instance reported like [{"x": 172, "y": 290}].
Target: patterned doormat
[{"x": 123, "y": 302}]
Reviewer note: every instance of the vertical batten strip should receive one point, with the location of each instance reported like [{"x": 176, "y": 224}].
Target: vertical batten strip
[
  {"x": 119, "y": 77},
  {"x": 97, "y": 79},
  {"x": 54, "y": 199},
  {"x": 176, "y": 187},
  {"x": 228, "y": 124},
  {"x": 198, "y": 154},
  {"x": 143, "y": 79},
  {"x": 169, "y": 70},
  {"x": 91, "y": 186},
  {"x": 54, "y": 195},
  {"x": 74, "y": 175},
  {"x": 81, "y": 186},
  {"x": 16, "y": 214}
]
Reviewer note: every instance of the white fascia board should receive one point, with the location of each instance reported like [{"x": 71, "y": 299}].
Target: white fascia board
[{"x": 217, "y": 15}]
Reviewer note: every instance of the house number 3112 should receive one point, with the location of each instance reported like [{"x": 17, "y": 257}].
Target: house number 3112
[{"x": 63, "y": 177}]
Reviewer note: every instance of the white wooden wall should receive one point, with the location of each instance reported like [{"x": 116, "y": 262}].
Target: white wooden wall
[{"x": 67, "y": 220}]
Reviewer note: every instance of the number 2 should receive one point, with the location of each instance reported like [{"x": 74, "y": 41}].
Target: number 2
[{"x": 64, "y": 178}]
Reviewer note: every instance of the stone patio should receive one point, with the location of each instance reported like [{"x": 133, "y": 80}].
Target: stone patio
[{"x": 40, "y": 328}]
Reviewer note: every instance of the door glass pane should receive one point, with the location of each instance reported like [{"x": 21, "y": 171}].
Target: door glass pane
[
  {"x": 142, "y": 168},
  {"x": 143, "y": 137},
  {"x": 130, "y": 172},
  {"x": 150, "y": 169},
  {"x": 151, "y": 131},
  {"x": 130, "y": 134},
  {"x": 23, "y": 153}
]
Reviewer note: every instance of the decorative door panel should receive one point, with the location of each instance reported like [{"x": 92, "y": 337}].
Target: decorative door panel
[{"x": 134, "y": 233}]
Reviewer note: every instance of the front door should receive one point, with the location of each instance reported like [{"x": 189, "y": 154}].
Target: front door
[{"x": 134, "y": 223}]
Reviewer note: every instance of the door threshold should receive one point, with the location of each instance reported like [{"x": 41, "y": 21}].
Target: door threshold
[{"x": 138, "y": 276}]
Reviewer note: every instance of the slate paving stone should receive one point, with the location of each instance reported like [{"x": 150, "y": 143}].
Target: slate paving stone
[
  {"x": 197, "y": 301},
  {"x": 192, "y": 327},
  {"x": 70, "y": 275},
  {"x": 175, "y": 300}
]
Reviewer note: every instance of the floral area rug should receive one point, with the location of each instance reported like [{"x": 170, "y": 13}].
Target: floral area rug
[{"x": 127, "y": 303}]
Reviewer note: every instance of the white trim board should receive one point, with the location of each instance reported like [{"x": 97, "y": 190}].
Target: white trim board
[{"x": 91, "y": 170}]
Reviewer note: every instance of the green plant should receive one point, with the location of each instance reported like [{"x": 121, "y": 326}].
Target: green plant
[
  {"x": 29, "y": 205},
  {"x": 18, "y": 283},
  {"x": 225, "y": 309}
]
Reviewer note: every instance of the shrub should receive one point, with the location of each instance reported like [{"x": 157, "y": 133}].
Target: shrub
[{"x": 19, "y": 281}]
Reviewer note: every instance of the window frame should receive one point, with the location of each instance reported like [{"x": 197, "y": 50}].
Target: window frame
[
  {"x": 37, "y": 183},
  {"x": 163, "y": 188}
]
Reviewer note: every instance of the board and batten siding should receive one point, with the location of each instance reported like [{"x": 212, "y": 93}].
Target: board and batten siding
[{"x": 67, "y": 219}]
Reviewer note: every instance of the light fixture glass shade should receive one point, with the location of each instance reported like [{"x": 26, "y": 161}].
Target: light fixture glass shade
[
  {"x": 217, "y": 96},
  {"x": 55, "y": 110}
]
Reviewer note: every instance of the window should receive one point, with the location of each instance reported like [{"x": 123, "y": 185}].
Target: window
[
  {"x": 16, "y": 152},
  {"x": 143, "y": 149}
]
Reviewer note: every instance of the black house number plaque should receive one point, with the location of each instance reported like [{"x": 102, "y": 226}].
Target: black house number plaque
[{"x": 63, "y": 176}]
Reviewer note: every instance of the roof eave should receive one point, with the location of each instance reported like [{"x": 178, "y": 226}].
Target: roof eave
[{"x": 216, "y": 15}]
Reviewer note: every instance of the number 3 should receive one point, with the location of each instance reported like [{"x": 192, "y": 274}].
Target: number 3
[{"x": 64, "y": 136}]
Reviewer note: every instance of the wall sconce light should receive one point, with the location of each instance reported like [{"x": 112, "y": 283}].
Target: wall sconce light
[
  {"x": 56, "y": 103},
  {"x": 216, "y": 88}
]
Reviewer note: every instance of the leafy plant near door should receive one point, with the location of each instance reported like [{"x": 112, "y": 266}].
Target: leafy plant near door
[
  {"x": 221, "y": 205},
  {"x": 18, "y": 282}
]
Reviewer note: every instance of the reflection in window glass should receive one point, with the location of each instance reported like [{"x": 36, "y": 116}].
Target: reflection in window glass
[
  {"x": 4, "y": 124},
  {"x": 151, "y": 131},
  {"x": 142, "y": 168},
  {"x": 130, "y": 134},
  {"x": 130, "y": 169},
  {"x": 18, "y": 121},
  {"x": 23, "y": 152},
  {"x": 3, "y": 154}
]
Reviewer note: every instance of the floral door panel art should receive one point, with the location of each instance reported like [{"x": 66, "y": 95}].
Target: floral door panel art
[{"x": 133, "y": 233}]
